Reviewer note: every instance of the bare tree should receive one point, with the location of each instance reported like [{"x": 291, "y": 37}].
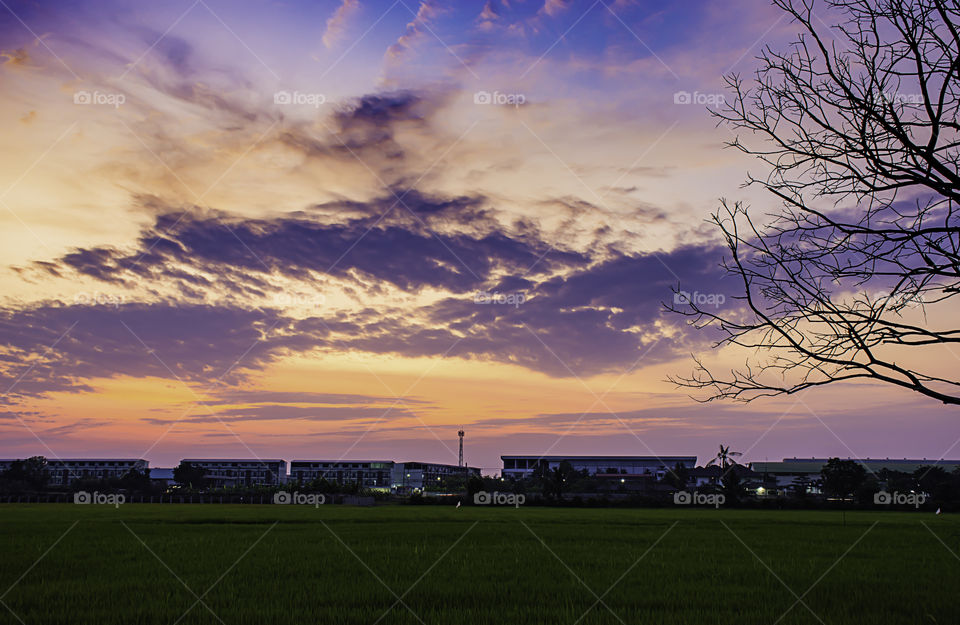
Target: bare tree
[{"x": 857, "y": 124}]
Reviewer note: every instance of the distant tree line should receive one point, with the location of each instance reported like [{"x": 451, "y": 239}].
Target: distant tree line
[{"x": 849, "y": 480}]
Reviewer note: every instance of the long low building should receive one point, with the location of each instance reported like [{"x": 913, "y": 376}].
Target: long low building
[
  {"x": 241, "y": 471},
  {"x": 786, "y": 471},
  {"x": 519, "y": 467},
  {"x": 64, "y": 471},
  {"x": 374, "y": 474},
  {"x": 386, "y": 475}
]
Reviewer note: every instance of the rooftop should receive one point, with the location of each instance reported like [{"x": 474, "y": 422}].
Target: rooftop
[
  {"x": 614, "y": 458},
  {"x": 329, "y": 461},
  {"x": 253, "y": 460},
  {"x": 54, "y": 460},
  {"x": 814, "y": 465}
]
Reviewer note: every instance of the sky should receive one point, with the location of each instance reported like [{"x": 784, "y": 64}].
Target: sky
[{"x": 346, "y": 229}]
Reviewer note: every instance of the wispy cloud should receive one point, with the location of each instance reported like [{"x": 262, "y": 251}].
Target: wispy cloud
[{"x": 339, "y": 22}]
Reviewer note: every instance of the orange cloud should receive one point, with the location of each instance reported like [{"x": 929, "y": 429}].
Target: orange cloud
[{"x": 19, "y": 57}]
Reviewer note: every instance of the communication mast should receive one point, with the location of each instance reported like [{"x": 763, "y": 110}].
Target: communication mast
[{"x": 460, "y": 461}]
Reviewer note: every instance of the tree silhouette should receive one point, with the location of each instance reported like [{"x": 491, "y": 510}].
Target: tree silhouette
[
  {"x": 187, "y": 474},
  {"x": 677, "y": 477},
  {"x": 729, "y": 478},
  {"x": 724, "y": 458},
  {"x": 842, "y": 478},
  {"x": 857, "y": 126},
  {"x": 32, "y": 473}
]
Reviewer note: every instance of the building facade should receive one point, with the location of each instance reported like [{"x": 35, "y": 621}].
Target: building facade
[
  {"x": 614, "y": 467},
  {"x": 790, "y": 471},
  {"x": 415, "y": 477},
  {"x": 220, "y": 472},
  {"x": 372, "y": 474},
  {"x": 65, "y": 471}
]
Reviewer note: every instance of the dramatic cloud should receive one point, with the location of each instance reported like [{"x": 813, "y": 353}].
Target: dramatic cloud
[
  {"x": 48, "y": 348},
  {"x": 399, "y": 247},
  {"x": 512, "y": 299}
]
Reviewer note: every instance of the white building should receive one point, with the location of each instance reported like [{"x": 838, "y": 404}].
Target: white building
[
  {"x": 241, "y": 472},
  {"x": 519, "y": 467},
  {"x": 373, "y": 474},
  {"x": 65, "y": 471},
  {"x": 412, "y": 477},
  {"x": 386, "y": 475}
]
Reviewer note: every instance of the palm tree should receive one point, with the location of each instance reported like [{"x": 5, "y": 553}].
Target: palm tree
[
  {"x": 724, "y": 458},
  {"x": 729, "y": 479}
]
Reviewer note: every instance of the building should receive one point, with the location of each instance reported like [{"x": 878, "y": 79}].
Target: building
[
  {"x": 162, "y": 477},
  {"x": 386, "y": 475},
  {"x": 789, "y": 470},
  {"x": 372, "y": 474},
  {"x": 713, "y": 476},
  {"x": 704, "y": 476},
  {"x": 412, "y": 477},
  {"x": 65, "y": 471},
  {"x": 615, "y": 467},
  {"x": 221, "y": 472}
]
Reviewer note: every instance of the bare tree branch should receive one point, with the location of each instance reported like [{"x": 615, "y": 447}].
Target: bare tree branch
[{"x": 858, "y": 127}]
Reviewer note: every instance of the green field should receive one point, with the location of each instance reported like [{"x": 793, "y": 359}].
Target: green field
[{"x": 441, "y": 565}]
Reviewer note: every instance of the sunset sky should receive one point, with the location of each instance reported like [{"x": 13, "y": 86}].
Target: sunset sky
[{"x": 345, "y": 229}]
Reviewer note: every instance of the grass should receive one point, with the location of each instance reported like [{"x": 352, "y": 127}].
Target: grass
[{"x": 404, "y": 564}]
